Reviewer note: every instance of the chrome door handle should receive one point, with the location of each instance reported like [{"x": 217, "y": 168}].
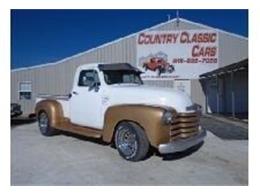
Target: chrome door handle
[{"x": 75, "y": 93}]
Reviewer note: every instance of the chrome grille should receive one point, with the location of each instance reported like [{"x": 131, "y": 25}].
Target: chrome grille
[{"x": 185, "y": 125}]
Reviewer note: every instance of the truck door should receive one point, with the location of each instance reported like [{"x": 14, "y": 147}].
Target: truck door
[{"x": 85, "y": 103}]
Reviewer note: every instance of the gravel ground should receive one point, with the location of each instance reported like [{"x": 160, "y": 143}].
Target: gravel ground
[{"x": 72, "y": 160}]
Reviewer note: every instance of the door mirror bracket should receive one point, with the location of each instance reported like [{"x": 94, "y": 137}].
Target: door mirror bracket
[{"x": 95, "y": 86}]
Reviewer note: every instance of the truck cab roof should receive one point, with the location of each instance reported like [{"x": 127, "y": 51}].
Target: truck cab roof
[
  {"x": 110, "y": 67},
  {"x": 117, "y": 66}
]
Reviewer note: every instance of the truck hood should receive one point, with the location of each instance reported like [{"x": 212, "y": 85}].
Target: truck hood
[{"x": 148, "y": 95}]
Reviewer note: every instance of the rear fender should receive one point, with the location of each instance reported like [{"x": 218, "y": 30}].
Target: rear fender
[{"x": 53, "y": 109}]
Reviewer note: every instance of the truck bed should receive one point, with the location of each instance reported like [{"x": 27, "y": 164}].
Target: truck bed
[
  {"x": 55, "y": 97},
  {"x": 62, "y": 99}
]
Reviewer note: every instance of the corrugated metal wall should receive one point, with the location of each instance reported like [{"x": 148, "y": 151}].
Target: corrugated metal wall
[
  {"x": 233, "y": 49},
  {"x": 58, "y": 78}
]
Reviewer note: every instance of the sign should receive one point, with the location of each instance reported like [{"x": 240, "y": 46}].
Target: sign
[{"x": 177, "y": 54}]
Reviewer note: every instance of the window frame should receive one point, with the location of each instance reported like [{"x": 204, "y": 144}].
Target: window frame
[
  {"x": 87, "y": 70},
  {"x": 134, "y": 72},
  {"x": 19, "y": 90}
]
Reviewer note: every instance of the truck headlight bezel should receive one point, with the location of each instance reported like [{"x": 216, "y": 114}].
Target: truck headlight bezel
[
  {"x": 168, "y": 117},
  {"x": 195, "y": 107}
]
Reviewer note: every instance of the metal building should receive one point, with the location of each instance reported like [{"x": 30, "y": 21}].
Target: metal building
[
  {"x": 57, "y": 77},
  {"x": 226, "y": 90}
]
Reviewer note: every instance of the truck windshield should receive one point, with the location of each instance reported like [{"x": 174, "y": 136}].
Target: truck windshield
[{"x": 120, "y": 77}]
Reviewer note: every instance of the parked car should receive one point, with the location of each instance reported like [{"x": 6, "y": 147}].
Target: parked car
[
  {"x": 110, "y": 102},
  {"x": 158, "y": 65},
  {"x": 15, "y": 110}
]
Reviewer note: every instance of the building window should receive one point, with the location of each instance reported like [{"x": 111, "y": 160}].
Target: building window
[{"x": 25, "y": 90}]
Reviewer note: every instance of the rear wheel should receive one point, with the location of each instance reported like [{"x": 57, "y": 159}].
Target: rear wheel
[
  {"x": 131, "y": 141},
  {"x": 44, "y": 125}
]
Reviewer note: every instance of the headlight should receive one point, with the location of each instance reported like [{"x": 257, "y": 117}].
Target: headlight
[
  {"x": 195, "y": 107},
  {"x": 199, "y": 109},
  {"x": 168, "y": 117}
]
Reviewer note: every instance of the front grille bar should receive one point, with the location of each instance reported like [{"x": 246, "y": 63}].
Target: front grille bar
[{"x": 185, "y": 125}]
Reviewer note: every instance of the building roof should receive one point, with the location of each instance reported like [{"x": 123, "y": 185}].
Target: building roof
[
  {"x": 129, "y": 36},
  {"x": 241, "y": 65}
]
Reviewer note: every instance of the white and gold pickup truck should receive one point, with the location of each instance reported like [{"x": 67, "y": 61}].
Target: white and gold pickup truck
[{"x": 110, "y": 102}]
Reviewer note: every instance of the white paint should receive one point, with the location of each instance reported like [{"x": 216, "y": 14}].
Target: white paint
[
  {"x": 62, "y": 99},
  {"x": 88, "y": 108},
  {"x": 65, "y": 104},
  {"x": 183, "y": 85},
  {"x": 120, "y": 94},
  {"x": 85, "y": 104}
]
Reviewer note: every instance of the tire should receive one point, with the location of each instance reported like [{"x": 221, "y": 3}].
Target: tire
[
  {"x": 145, "y": 67},
  {"x": 131, "y": 141},
  {"x": 44, "y": 125},
  {"x": 158, "y": 72},
  {"x": 170, "y": 69}
]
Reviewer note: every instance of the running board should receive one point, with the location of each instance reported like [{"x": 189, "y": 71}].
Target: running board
[{"x": 66, "y": 125}]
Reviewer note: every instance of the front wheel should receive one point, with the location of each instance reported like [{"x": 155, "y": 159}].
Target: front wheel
[
  {"x": 170, "y": 68},
  {"x": 158, "y": 71},
  {"x": 131, "y": 141}
]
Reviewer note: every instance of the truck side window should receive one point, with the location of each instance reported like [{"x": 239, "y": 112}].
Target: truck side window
[{"x": 87, "y": 77}]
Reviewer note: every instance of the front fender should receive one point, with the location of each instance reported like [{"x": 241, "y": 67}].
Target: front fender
[{"x": 148, "y": 117}]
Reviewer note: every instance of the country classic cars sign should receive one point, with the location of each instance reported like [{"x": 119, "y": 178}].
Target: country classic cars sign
[{"x": 177, "y": 54}]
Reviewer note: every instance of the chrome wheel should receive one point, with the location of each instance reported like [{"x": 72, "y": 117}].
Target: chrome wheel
[
  {"x": 170, "y": 69},
  {"x": 126, "y": 142},
  {"x": 131, "y": 141},
  {"x": 43, "y": 122}
]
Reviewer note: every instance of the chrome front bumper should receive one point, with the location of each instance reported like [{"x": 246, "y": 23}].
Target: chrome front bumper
[{"x": 182, "y": 144}]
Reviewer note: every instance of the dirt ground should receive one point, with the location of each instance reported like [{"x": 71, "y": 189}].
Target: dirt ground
[{"x": 68, "y": 159}]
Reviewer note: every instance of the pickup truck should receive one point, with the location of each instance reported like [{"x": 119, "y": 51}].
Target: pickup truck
[{"x": 111, "y": 103}]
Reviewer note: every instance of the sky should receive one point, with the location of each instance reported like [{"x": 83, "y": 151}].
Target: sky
[{"x": 43, "y": 36}]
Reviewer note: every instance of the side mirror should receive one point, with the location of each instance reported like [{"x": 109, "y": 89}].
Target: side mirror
[{"x": 95, "y": 86}]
